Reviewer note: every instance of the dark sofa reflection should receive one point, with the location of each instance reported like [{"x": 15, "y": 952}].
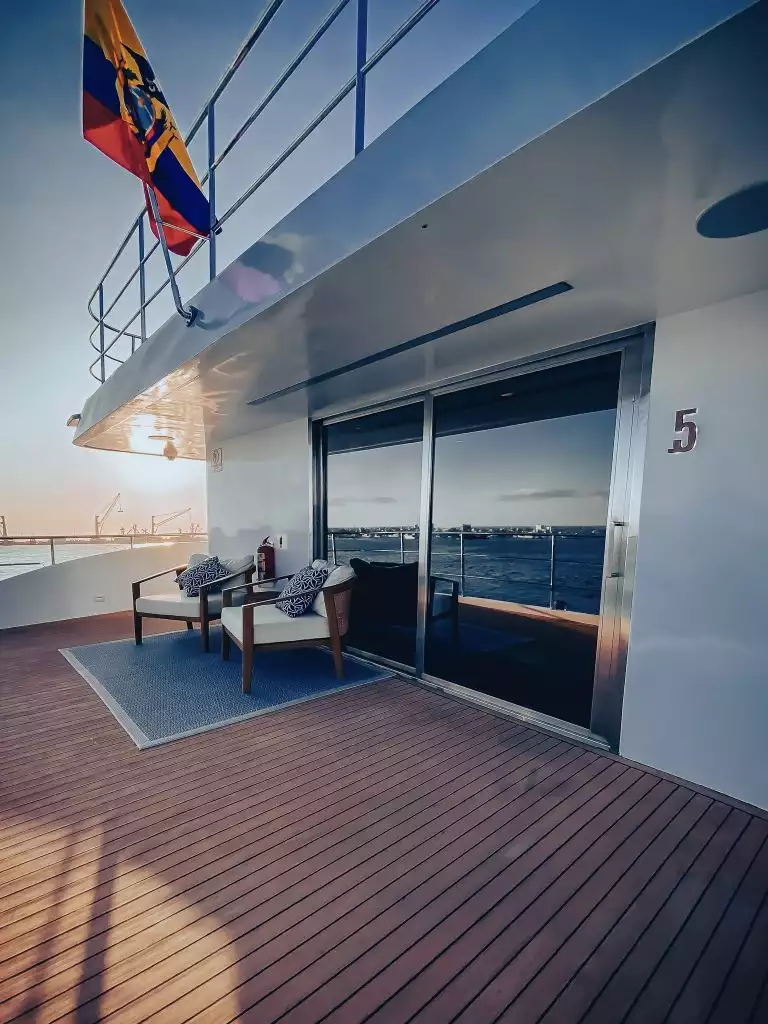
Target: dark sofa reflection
[{"x": 385, "y": 606}]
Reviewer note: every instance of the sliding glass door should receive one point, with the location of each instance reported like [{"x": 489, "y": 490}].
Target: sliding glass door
[
  {"x": 373, "y": 485},
  {"x": 522, "y": 472},
  {"x": 491, "y": 527}
]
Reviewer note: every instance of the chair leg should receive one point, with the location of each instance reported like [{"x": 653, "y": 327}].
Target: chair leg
[
  {"x": 205, "y": 636},
  {"x": 137, "y": 628},
  {"x": 225, "y": 642},
  {"x": 190, "y": 625},
  {"x": 338, "y": 659},
  {"x": 247, "y": 667}
]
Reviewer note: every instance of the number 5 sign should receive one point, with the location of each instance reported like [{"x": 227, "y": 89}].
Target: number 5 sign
[{"x": 686, "y": 426}]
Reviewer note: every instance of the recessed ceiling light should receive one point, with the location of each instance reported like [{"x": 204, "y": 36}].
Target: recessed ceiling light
[
  {"x": 160, "y": 437},
  {"x": 508, "y": 394},
  {"x": 741, "y": 213}
]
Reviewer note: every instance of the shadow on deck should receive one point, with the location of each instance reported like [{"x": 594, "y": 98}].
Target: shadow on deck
[{"x": 384, "y": 853}]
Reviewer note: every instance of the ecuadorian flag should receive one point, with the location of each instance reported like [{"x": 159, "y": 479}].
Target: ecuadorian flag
[{"x": 126, "y": 116}]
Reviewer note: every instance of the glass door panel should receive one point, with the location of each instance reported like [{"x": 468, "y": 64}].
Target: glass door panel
[
  {"x": 522, "y": 472},
  {"x": 373, "y": 486}
]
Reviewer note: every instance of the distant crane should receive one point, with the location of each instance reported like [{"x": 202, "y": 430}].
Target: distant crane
[
  {"x": 113, "y": 506},
  {"x": 163, "y": 520}
]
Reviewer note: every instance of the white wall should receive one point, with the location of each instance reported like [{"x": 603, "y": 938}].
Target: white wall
[
  {"x": 263, "y": 490},
  {"x": 68, "y": 590},
  {"x": 696, "y": 698}
]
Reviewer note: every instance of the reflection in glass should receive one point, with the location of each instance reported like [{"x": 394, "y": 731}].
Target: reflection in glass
[
  {"x": 374, "y": 486},
  {"x": 521, "y": 481}
]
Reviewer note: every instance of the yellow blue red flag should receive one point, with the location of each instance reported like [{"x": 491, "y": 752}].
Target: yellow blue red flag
[{"x": 127, "y": 117}]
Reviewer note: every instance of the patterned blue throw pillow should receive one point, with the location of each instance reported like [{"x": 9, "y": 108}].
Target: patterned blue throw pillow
[
  {"x": 301, "y": 590},
  {"x": 204, "y": 572},
  {"x": 194, "y": 560}
]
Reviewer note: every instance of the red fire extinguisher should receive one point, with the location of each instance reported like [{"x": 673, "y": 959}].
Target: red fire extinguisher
[{"x": 266, "y": 560}]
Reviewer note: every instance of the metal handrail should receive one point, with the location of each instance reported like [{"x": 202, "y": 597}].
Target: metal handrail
[
  {"x": 552, "y": 559},
  {"x": 49, "y": 541},
  {"x": 364, "y": 65}
]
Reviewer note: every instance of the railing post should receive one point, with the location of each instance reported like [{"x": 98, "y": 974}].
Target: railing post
[
  {"x": 142, "y": 285},
  {"x": 552, "y": 570},
  {"x": 102, "y": 361},
  {"x": 333, "y": 548},
  {"x": 53, "y": 551},
  {"x": 461, "y": 563},
  {"x": 402, "y": 548},
  {"x": 361, "y": 57},
  {"x": 212, "y": 191}
]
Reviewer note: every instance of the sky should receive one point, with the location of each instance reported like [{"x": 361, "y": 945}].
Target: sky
[
  {"x": 553, "y": 472},
  {"x": 65, "y": 207}
]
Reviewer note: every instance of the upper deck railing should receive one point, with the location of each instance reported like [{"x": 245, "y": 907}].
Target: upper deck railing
[{"x": 113, "y": 343}]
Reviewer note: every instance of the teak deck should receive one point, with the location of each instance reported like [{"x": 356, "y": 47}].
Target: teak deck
[{"x": 383, "y": 854}]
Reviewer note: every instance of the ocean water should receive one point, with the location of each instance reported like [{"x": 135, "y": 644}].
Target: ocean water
[{"x": 503, "y": 567}]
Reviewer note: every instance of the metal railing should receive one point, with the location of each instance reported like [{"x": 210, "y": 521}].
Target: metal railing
[
  {"x": 48, "y": 543},
  {"x": 551, "y": 560},
  {"x": 105, "y": 335}
]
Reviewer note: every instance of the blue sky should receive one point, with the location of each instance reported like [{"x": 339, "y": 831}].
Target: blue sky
[
  {"x": 65, "y": 207},
  {"x": 556, "y": 472}
]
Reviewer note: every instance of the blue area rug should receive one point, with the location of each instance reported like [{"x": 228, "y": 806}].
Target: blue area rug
[{"x": 168, "y": 688}]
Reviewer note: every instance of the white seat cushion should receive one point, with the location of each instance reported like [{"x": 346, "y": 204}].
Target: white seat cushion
[
  {"x": 271, "y": 626},
  {"x": 174, "y": 603}
]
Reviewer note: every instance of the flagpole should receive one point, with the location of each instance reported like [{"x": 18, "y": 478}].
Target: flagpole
[{"x": 190, "y": 315}]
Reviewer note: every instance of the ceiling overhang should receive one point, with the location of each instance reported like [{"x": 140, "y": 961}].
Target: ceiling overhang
[{"x": 605, "y": 200}]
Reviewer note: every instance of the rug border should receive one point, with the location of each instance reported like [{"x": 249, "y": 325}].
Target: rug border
[
  {"x": 140, "y": 739},
  {"x": 143, "y": 742}
]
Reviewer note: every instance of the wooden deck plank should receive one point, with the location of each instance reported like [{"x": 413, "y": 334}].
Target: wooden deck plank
[
  {"x": 704, "y": 984},
  {"x": 234, "y": 897},
  {"x": 531, "y": 970},
  {"x": 618, "y": 996},
  {"x": 658, "y": 996},
  {"x": 747, "y": 976},
  {"x": 384, "y": 853},
  {"x": 473, "y": 926},
  {"x": 590, "y": 969},
  {"x": 242, "y": 790},
  {"x": 356, "y": 943},
  {"x": 186, "y": 968},
  {"x": 278, "y": 935},
  {"x": 279, "y": 821}
]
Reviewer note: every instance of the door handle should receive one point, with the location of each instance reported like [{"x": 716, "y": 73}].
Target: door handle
[{"x": 616, "y": 570}]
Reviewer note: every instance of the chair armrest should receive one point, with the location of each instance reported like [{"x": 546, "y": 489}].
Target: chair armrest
[
  {"x": 274, "y": 600},
  {"x": 136, "y": 585}
]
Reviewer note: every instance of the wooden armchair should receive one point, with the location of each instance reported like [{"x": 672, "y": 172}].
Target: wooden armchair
[
  {"x": 175, "y": 604},
  {"x": 259, "y": 624}
]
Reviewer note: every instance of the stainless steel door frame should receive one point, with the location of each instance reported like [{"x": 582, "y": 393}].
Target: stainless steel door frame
[
  {"x": 621, "y": 537},
  {"x": 621, "y": 532},
  {"x": 425, "y": 529}
]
